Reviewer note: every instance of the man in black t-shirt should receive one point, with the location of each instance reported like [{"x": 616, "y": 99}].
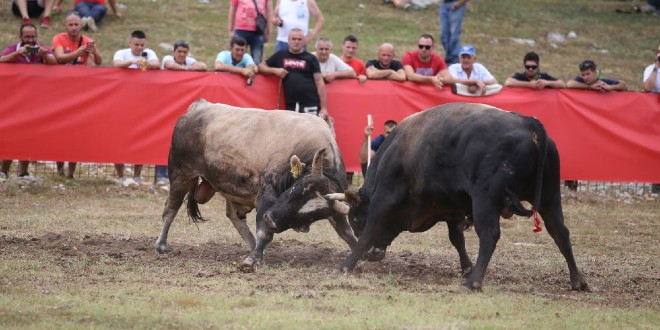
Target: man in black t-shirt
[
  {"x": 385, "y": 67},
  {"x": 304, "y": 90},
  {"x": 533, "y": 77}
]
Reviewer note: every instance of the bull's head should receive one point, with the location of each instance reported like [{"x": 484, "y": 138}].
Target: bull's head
[
  {"x": 304, "y": 202},
  {"x": 357, "y": 209}
]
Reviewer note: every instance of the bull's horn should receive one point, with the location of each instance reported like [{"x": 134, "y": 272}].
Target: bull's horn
[
  {"x": 336, "y": 197},
  {"x": 317, "y": 164},
  {"x": 340, "y": 207}
]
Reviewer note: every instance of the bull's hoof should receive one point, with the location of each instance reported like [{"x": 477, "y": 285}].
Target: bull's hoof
[
  {"x": 582, "y": 287},
  {"x": 468, "y": 287},
  {"x": 248, "y": 265},
  {"x": 161, "y": 247},
  {"x": 375, "y": 255}
]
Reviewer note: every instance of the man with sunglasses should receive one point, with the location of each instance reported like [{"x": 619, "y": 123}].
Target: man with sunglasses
[
  {"x": 590, "y": 78},
  {"x": 424, "y": 66},
  {"x": 533, "y": 77}
]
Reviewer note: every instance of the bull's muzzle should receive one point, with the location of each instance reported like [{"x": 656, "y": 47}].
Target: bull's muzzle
[{"x": 268, "y": 219}]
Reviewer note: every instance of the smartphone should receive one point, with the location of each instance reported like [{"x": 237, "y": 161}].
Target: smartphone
[{"x": 32, "y": 49}]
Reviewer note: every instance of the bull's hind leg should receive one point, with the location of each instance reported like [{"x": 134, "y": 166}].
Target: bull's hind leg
[
  {"x": 237, "y": 216},
  {"x": 553, "y": 217},
  {"x": 178, "y": 191}
]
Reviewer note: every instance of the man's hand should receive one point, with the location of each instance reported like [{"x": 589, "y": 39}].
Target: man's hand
[
  {"x": 541, "y": 83},
  {"x": 323, "y": 113},
  {"x": 368, "y": 130},
  {"x": 438, "y": 81},
  {"x": 280, "y": 72}
]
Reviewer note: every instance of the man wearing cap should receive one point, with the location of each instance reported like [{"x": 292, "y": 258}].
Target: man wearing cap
[
  {"x": 424, "y": 66},
  {"x": 589, "y": 78},
  {"x": 472, "y": 78},
  {"x": 651, "y": 79},
  {"x": 532, "y": 77}
]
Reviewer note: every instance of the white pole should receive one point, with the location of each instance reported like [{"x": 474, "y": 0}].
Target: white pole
[{"x": 370, "y": 122}]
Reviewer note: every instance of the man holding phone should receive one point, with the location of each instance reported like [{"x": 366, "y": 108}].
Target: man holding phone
[
  {"x": 71, "y": 47},
  {"x": 28, "y": 49},
  {"x": 651, "y": 78}
]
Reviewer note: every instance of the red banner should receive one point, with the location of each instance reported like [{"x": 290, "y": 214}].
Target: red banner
[{"x": 108, "y": 115}]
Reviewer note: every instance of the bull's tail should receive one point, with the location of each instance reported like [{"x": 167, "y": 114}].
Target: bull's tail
[
  {"x": 193, "y": 207},
  {"x": 540, "y": 138}
]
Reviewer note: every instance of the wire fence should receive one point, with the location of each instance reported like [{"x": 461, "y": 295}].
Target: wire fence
[{"x": 617, "y": 190}]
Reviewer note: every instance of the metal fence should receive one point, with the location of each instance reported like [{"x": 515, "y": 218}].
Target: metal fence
[{"x": 617, "y": 190}]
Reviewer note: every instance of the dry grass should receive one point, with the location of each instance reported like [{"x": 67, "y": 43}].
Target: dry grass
[{"x": 621, "y": 43}]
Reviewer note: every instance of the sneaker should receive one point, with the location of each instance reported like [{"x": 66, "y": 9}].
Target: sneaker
[
  {"x": 83, "y": 22},
  {"x": 137, "y": 179},
  {"x": 91, "y": 23},
  {"x": 127, "y": 182},
  {"x": 27, "y": 21},
  {"x": 162, "y": 182},
  {"x": 45, "y": 22},
  {"x": 27, "y": 178}
]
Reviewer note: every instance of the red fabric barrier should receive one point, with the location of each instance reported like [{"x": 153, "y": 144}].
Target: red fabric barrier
[{"x": 109, "y": 115}]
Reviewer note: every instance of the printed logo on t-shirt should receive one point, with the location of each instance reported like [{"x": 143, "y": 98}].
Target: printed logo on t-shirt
[
  {"x": 425, "y": 71},
  {"x": 294, "y": 63}
]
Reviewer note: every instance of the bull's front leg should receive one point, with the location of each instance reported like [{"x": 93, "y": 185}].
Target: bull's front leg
[
  {"x": 264, "y": 237},
  {"x": 344, "y": 230},
  {"x": 487, "y": 226}
]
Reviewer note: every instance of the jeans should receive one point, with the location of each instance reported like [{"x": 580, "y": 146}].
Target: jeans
[
  {"x": 256, "y": 42},
  {"x": 161, "y": 171},
  {"x": 91, "y": 9},
  {"x": 450, "y": 30},
  {"x": 281, "y": 45}
]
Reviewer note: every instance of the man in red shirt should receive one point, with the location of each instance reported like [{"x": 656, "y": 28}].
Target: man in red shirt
[
  {"x": 71, "y": 47},
  {"x": 424, "y": 66},
  {"x": 349, "y": 49}
]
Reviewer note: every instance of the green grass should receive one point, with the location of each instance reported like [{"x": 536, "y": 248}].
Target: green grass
[{"x": 621, "y": 44}]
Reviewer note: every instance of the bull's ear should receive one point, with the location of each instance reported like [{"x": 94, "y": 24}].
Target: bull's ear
[
  {"x": 296, "y": 166},
  {"x": 317, "y": 164}
]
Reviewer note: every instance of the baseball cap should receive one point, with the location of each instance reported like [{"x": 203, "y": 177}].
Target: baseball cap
[{"x": 467, "y": 50}]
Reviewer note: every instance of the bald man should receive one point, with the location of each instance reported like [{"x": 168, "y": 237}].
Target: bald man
[{"x": 386, "y": 67}]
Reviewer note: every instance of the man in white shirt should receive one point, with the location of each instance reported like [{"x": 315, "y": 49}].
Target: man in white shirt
[
  {"x": 332, "y": 67},
  {"x": 472, "y": 78},
  {"x": 180, "y": 61},
  {"x": 651, "y": 78},
  {"x": 137, "y": 56},
  {"x": 132, "y": 57}
]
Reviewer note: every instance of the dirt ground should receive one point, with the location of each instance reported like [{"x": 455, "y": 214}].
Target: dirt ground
[{"x": 618, "y": 279}]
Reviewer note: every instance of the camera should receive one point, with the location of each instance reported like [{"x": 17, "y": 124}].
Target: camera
[{"x": 32, "y": 49}]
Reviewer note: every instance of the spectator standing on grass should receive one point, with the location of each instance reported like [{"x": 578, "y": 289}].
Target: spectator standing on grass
[
  {"x": 72, "y": 48},
  {"x": 236, "y": 59},
  {"x": 385, "y": 66},
  {"x": 651, "y": 82},
  {"x": 374, "y": 144},
  {"x": 27, "y": 51},
  {"x": 302, "y": 81},
  {"x": 136, "y": 57},
  {"x": 242, "y": 22},
  {"x": 532, "y": 77},
  {"x": 332, "y": 67},
  {"x": 423, "y": 66},
  {"x": 28, "y": 9},
  {"x": 295, "y": 14},
  {"x": 472, "y": 78},
  {"x": 349, "y": 50},
  {"x": 450, "y": 16}
]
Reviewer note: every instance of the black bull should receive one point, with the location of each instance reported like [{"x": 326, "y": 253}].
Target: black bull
[
  {"x": 460, "y": 162},
  {"x": 253, "y": 158}
]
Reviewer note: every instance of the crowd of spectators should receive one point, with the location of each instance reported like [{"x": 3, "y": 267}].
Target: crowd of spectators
[{"x": 303, "y": 74}]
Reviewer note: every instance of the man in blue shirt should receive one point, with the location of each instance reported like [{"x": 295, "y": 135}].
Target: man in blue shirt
[
  {"x": 375, "y": 143},
  {"x": 236, "y": 60}
]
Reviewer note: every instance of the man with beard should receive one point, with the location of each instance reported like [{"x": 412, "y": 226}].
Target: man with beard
[
  {"x": 27, "y": 51},
  {"x": 71, "y": 47}
]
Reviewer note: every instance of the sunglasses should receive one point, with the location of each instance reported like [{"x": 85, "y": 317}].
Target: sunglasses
[
  {"x": 531, "y": 67},
  {"x": 427, "y": 47}
]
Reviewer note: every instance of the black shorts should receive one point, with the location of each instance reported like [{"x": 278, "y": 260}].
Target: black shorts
[
  {"x": 33, "y": 8},
  {"x": 312, "y": 109}
]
